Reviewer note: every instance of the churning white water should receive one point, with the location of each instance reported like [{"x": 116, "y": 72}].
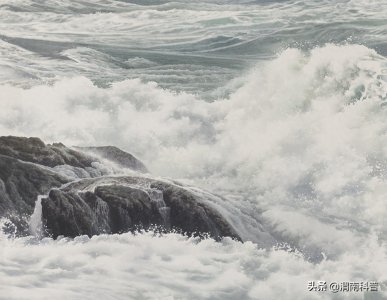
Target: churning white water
[
  {"x": 278, "y": 107},
  {"x": 298, "y": 151}
]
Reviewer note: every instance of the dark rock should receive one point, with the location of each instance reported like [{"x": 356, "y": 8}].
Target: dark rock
[
  {"x": 35, "y": 151},
  {"x": 109, "y": 209},
  {"x": 25, "y": 172},
  {"x": 103, "y": 204},
  {"x": 191, "y": 214},
  {"x": 71, "y": 214},
  {"x": 20, "y": 185},
  {"x": 121, "y": 204},
  {"x": 128, "y": 207}
]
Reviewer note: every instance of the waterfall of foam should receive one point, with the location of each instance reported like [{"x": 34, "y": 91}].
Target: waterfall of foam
[
  {"x": 157, "y": 198},
  {"x": 101, "y": 211},
  {"x": 36, "y": 223}
]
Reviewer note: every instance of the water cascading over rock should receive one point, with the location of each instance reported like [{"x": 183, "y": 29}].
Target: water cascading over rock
[{"x": 59, "y": 191}]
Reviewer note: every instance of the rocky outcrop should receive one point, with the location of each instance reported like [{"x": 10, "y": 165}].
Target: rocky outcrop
[
  {"x": 20, "y": 184},
  {"x": 35, "y": 151},
  {"x": 73, "y": 205},
  {"x": 191, "y": 213},
  {"x": 29, "y": 167},
  {"x": 120, "y": 204}
]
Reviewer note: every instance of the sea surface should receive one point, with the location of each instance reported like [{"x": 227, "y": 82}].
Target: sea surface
[{"x": 279, "y": 107}]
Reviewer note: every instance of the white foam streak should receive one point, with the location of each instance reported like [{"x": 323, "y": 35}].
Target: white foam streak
[{"x": 36, "y": 222}]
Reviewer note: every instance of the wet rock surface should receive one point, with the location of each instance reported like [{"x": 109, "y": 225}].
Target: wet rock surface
[
  {"x": 120, "y": 204},
  {"x": 20, "y": 185},
  {"x": 35, "y": 151},
  {"x": 74, "y": 205}
]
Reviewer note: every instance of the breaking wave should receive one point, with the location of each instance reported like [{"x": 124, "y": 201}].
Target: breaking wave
[{"x": 297, "y": 149}]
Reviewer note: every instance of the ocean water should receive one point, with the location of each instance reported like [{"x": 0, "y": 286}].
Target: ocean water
[{"x": 277, "y": 107}]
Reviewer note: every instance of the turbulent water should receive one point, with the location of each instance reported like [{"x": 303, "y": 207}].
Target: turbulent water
[{"x": 279, "y": 107}]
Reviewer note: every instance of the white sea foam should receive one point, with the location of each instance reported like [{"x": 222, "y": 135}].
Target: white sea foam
[
  {"x": 144, "y": 266},
  {"x": 36, "y": 222}
]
